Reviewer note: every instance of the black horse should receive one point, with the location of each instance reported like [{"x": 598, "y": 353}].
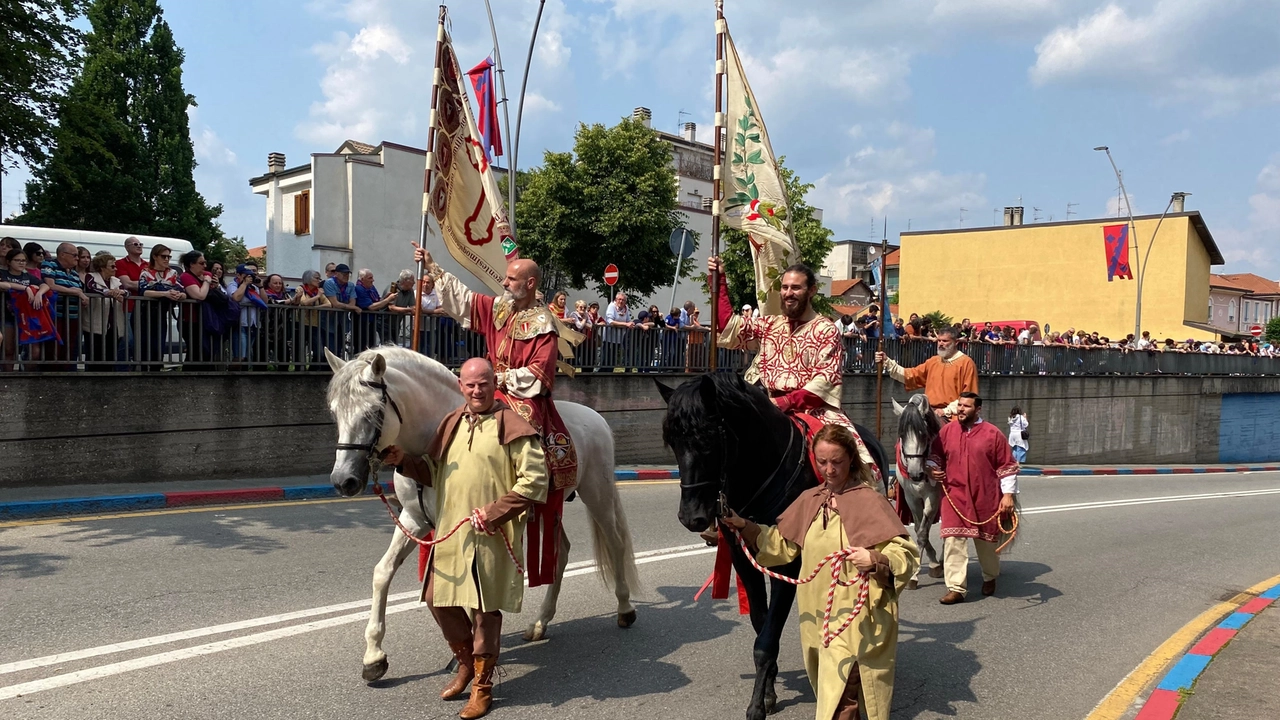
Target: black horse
[{"x": 737, "y": 450}]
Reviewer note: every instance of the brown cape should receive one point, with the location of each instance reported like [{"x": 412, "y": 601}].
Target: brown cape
[
  {"x": 868, "y": 518},
  {"x": 510, "y": 427}
]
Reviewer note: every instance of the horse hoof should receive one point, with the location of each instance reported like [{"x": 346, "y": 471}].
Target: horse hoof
[
  {"x": 536, "y": 632},
  {"x": 374, "y": 671},
  {"x": 935, "y": 571},
  {"x": 627, "y": 619},
  {"x": 770, "y": 705},
  {"x": 913, "y": 584}
]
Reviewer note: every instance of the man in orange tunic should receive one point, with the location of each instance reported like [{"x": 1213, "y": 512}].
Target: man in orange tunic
[
  {"x": 944, "y": 377},
  {"x": 523, "y": 339}
]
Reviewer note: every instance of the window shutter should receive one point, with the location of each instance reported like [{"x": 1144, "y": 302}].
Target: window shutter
[{"x": 302, "y": 213}]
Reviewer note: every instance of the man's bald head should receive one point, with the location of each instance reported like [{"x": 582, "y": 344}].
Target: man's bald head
[
  {"x": 476, "y": 381},
  {"x": 522, "y": 280}
]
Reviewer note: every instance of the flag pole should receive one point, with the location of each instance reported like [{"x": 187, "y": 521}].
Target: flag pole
[
  {"x": 884, "y": 313},
  {"x": 515, "y": 141},
  {"x": 506, "y": 116},
  {"x": 717, "y": 187},
  {"x": 426, "y": 182}
]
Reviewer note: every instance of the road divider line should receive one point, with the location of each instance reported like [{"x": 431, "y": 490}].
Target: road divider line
[{"x": 1140, "y": 677}]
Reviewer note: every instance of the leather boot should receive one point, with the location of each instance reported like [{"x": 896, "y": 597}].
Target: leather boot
[
  {"x": 481, "y": 688},
  {"x": 847, "y": 708},
  {"x": 466, "y": 671}
]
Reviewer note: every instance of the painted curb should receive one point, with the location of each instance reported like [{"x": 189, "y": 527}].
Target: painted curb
[
  {"x": 1169, "y": 694},
  {"x": 31, "y": 509}
]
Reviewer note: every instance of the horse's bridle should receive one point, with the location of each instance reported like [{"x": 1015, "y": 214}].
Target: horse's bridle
[
  {"x": 372, "y": 445},
  {"x": 722, "y": 480}
]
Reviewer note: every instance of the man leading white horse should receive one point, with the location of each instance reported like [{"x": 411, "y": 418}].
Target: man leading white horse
[{"x": 523, "y": 345}]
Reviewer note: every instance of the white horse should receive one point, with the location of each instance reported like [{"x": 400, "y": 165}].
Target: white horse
[
  {"x": 393, "y": 396},
  {"x": 917, "y": 428}
]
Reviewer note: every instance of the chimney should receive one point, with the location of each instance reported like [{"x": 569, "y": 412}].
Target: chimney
[
  {"x": 1017, "y": 216},
  {"x": 690, "y": 132},
  {"x": 706, "y": 203},
  {"x": 1179, "y": 202},
  {"x": 644, "y": 115},
  {"x": 1008, "y": 216},
  {"x": 275, "y": 162}
]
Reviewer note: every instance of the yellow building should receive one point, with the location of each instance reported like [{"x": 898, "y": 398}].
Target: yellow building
[{"x": 1056, "y": 274}]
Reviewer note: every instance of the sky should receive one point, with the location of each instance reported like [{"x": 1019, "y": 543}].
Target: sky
[{"x": 905, "y": 109}]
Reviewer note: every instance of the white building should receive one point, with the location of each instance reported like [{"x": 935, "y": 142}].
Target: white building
[{"x": 360, "y": 205}]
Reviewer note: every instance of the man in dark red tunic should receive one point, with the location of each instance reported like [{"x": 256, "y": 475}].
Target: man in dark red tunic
[
  {"x": 523, "y": 339},
  {"x": 973, "y": 461}
]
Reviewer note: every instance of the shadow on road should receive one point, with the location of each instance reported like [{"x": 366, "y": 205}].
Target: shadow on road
[
  {"x": 244, "y": 529},
  {"x": 1017, "y": 580},
  {"x": 587, "y": 658},
  {"x": 933, "y": 673},
  {"x": 16, "y": 563}
]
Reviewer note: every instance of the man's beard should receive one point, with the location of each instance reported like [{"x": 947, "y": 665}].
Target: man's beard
[
  {"x": 511, "y": 297},
  {"x": 796, "y": 311},
  {"x": 945, "y": 353}
]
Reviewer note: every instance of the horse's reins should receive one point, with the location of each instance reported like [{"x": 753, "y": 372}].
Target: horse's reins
[{"x": 476, "y": 519}]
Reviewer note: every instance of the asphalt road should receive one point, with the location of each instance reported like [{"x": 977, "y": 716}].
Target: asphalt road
[{"x": 1087, "y": 593}]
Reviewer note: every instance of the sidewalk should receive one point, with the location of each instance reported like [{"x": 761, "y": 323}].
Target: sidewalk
[
  {"x": 62, "y": 500},
  {"x": 1232, "y": 673}
]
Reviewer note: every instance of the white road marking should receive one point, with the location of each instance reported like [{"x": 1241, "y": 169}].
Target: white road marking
[{"x": 572, "y": 570}]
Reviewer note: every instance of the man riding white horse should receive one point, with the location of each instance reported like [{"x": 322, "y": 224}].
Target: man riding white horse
[
  {"x": 801, "y": 357},
  {"x": 944, "y": 377},
  {"x": 523, "y": 345}
]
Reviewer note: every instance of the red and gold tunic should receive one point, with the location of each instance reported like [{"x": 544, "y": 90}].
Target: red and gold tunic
[
  {"x": 524, "y": 348},
  {"x": 800, "y": 363}
]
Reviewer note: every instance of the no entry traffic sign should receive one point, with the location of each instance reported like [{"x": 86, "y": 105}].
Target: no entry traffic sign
[
  {"x": 610, "y": 274},
  {"x": 1255, "y": 331}
]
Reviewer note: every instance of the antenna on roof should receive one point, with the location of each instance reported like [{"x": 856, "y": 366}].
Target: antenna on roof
[
  {"x": 962, "y": 212},
  {"x": 1035, "y": 214},
  {"x": 1071, "y": 212},
  {"x": 680, "y": 120}
]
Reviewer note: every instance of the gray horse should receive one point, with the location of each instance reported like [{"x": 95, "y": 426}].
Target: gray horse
[{"x": 917, "y": 429}]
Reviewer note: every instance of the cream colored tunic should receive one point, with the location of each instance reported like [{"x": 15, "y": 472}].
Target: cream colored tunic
[
  {"x": 872, "y": 639},
  {"x": 473, "y": 570}
]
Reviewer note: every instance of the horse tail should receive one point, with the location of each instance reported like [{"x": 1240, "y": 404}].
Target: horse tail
[{"x": 610, "y": 534}]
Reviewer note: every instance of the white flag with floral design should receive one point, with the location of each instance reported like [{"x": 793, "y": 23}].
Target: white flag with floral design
[{"x": 755, "y": 198}]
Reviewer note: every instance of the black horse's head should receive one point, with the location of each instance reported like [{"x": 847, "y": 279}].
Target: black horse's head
[{"x": 709, "y": 426}]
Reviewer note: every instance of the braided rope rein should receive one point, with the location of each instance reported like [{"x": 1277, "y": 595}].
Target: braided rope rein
[
  {"x": 837, "y": 560},
  {"x": 1012, "y": 532},
  {"x": 476, "y": 520}
]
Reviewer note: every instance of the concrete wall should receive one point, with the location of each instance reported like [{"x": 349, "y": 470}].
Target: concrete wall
[{"x": 89, "y": 428}]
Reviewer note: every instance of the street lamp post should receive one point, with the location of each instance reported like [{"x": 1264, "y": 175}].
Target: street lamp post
[{"x": 1133, "y": 232}]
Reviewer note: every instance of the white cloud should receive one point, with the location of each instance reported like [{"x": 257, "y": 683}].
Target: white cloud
[
  {"x": 209, "y": 148},
  {"x": 895, "y": 177},
  {"x": 535, "y": 103},
  {"x": 1178, "y": 51},
  {"x": 1179, "y": 137},
  {"x": 1254, "y": 247}
]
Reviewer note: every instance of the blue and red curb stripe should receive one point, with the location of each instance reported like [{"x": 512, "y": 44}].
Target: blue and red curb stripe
[
  {"x": 1165, "y": 701},
  {"x": 1053, "y": 472},
  {"x": 30, "y": 509}
]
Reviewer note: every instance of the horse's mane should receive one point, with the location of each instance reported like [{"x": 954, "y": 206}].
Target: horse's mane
[
  {"x": 348, "y": 398},
  {"x": 688, "y": 416},
  {"x": 918, "y": 421}
]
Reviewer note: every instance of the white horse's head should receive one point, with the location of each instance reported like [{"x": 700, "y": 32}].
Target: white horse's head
[
  {"x": 384, "y": 396},
  {"x": 917, "y": 427},
  {"x": 368, "y": 418}
]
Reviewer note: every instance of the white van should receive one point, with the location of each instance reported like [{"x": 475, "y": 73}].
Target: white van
[{"x": 48, "y": 238}]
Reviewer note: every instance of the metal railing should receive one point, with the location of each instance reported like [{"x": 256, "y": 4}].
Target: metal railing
[{"x": 149, "y": 334}]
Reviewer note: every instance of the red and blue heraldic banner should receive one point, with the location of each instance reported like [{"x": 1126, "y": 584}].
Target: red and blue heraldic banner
[
  {"x": 1117, "y": 240},
  {"x": 482, "y": 80}
]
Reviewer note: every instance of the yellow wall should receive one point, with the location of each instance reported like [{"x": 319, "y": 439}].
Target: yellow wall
[{"x": 1057, "y": 274}]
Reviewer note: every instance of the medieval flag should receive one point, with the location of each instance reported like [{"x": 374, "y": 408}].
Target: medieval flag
[
  {"x": 487, "y": 100},
  {"x": 755, "y": 198},
  {"x": 464, "y": 197},
  {"x": 1116, "y": 238}
]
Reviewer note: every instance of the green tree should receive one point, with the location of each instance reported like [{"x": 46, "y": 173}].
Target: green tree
[
  {"x": 230, "y": 251},
  {"x": 1272, "y": 333},
  {"x": 41, "y": 51},
  {"x": 812, "y": 238},
  {"x": 612, "y": 200},
  {"x": 123, "y": 158},
  {"x": 938, "y": 320}
]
